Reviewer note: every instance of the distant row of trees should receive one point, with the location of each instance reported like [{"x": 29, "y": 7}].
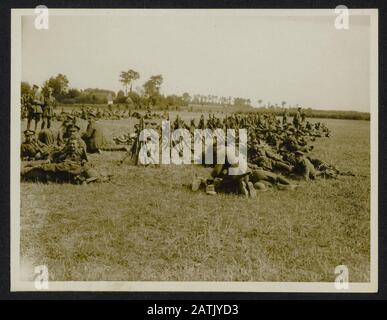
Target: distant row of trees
[
  {"x": 146, "y": 96},
  {"x": 313, "y": 113},
  {"x": 149, "y": 96}
]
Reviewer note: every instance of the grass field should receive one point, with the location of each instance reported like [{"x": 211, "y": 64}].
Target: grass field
[{"x": 146, "y": 224}]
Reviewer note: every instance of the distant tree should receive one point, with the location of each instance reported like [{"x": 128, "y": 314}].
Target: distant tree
[
  {"x": 73, "y": 93},
  {"x": 135, "y": 99},
  {"x": 186, "y": 98},
  {"x": 240, "y": 102},
  {"x": 120, "y": 94},
  {"x": 127, "y": 78},
  {"x": 59, "y": 85},
  {"x": 152, "y": 89}
]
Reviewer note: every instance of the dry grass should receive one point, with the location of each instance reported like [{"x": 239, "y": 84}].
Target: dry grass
[{"x": 147, "y": 225}]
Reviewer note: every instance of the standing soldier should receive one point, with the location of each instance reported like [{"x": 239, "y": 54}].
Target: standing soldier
[
  {"x": 201, "y": 124},
  {"x": 285, "y": 117},
  {"x": 24, "y": 106},
  {"x": 48, "y": 109},
  {"x": 34, "y": 107},
  {"x": 297, "y": 118},
  {"x": 303, "y": 121},
  {"x": 28, "y": 101},
  {"x": 192, "y": 126}
]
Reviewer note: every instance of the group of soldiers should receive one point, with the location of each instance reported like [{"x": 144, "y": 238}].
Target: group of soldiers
[
  {"x": 106, "y": 113},
  {"x": 63, "y": 156},
  {"x": 38, "y": 105},
  {"x": 278, "y": 148},
  {"x": 278, "y": 152}
]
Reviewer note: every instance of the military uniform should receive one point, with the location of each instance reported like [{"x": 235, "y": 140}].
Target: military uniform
[
  {"x": 259, "y": 175},
  {"x": 48, "y": 110},
  {"x": 297, "y": 118},
  {"x": 46, "y": 137},
  {"x": 304, "y": 168},
  {"x": 232, "y": 183},
  {"x": 285, "y": 117},
  {"x": 35, "y": 108},
  {"x": 68, "y": 164},
  {"x": 269, "y": 160},
  {"x": 30, "y": 148},
  {"x": 30, "y": 110}
]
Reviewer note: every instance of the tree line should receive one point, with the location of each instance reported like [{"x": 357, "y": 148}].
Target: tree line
[
  {"x": 149, "y": 96},
  {"x": 146, "y": 96}
]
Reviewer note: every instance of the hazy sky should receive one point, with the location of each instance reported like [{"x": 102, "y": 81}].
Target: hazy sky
[{"x": 302, "y": 60}]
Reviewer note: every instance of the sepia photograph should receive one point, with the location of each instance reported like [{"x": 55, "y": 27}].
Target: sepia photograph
[{"x": 194, "y": 150}]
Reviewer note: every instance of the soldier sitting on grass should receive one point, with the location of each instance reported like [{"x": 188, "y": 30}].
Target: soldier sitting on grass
[
  {"x": 222, "y": 181},
  {"x": 36, "y": 149}
]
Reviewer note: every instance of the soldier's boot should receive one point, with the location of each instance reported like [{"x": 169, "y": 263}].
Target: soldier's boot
[{"x": 210, "y": 189}]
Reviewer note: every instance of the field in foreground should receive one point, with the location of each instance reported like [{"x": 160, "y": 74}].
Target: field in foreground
[{"x": 146, "y": 224}]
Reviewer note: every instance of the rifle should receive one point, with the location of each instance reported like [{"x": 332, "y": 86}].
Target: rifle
[{"x": 136, "y": 147}]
